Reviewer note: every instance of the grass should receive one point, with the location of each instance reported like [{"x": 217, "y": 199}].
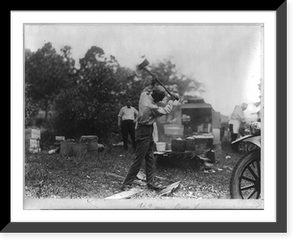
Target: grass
[{"x": 53, "y": 176}]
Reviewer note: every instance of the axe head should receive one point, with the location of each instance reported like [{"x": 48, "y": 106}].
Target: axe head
[{"x": 142, "y": 65}]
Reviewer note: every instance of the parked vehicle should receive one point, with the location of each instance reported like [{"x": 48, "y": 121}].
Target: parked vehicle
[{"x": 245, "y": 181}]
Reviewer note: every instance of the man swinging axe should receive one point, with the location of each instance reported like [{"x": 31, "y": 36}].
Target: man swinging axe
[{"x": 148, "y": 112}]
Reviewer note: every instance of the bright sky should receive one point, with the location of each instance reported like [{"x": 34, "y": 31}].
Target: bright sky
[{"x": 225, "y": 58}]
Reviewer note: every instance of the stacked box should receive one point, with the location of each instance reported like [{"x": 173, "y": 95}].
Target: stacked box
[
  {"x": 69, "y": 149},
  {"x": 173, "y": 130},
  {"x": 58, "y": 140},
  {"x": 178, "y": 145},
  {"x": 32, "y": 134},
  {"x": 190, "y": 144},
  {"x": 32, "y": 140},
  {"x": 92, "y": 143},
  {"x": 203, "y": 143}
]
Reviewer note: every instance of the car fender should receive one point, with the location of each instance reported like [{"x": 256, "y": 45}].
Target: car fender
[{"x": 249, "y": 138}]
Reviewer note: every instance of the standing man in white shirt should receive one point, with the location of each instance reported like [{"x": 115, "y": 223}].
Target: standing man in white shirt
[
  {"x": 236, "y": 119},
  {"x": 126, "y": 120}
]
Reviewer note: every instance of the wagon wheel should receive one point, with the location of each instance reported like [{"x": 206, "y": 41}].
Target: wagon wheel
[{"x": 245, "y": 182}]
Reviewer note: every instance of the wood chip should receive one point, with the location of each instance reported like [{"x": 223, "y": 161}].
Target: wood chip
[
  {"x": 125, "y": 194},
  {"x": 169, "y": 189}
]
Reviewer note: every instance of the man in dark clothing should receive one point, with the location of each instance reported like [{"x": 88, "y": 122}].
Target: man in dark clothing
[{"x": 148, "y": 112}]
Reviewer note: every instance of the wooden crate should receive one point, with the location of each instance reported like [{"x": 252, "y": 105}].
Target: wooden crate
[
  {"x": 89, "y": 139},
  {"x": 178, "y": 145},
  {"x": 33, "y": 145},
  {"x": 59, "y": 138},
  {"x": 68, "y": 149},
  {"x": 92, "y": 143},
  {"x": 190, "y": 144},
  {"x": 173, "y": 130},
  {"x": 32, "y": 134},
  {"x": 203, "y": 143}
]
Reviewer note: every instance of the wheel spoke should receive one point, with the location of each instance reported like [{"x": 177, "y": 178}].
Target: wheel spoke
[
  {"x": 248, "y": 179},
  {"x": 253, "y": 164},
  {"x": 247, "y": 187},
  {"x": 252, "y": 172},
  {"x": 252, "y": 193}
]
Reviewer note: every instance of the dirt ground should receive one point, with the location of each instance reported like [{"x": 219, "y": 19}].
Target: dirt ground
[{"x": 53, "y": 176}]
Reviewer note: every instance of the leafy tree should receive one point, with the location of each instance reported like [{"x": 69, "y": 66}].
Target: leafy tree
[
  {"x": 31, "y": 108},
  {"x": 130, "y": 86},
  {"x": 91, "y": 107},
  {"x": 99, "y": 89},
  {"x": 71, "y": 73},
  {"x": 173, "y": 80},
  {"x": 46, "y": 73},
  {"x": 65, "y": 120}
]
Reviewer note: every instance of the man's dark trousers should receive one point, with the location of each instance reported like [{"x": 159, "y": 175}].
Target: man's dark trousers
[
  {"x": 233, "y": 138},
  {"x": 128, "y": 126},
  {"x": 144, "y": 150}
]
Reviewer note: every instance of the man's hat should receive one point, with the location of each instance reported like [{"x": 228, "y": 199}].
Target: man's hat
[
  {"x": 159, "y": 90},
  {"x": 244, "y": 105}
]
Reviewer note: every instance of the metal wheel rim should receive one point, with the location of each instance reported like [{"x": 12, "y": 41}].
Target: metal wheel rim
[{"x": 249, "y": 181}]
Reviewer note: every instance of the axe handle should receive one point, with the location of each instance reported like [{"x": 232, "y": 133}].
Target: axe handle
[{"x": 157, "y": 79}]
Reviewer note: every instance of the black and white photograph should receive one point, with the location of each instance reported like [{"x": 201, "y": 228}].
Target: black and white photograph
[
  {"x": 143, "y": 116},
  {"x": 148, "y": 122}
]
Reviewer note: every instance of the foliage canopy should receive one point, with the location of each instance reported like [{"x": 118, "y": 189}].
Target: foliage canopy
[{"x": 86, "y": 100}]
